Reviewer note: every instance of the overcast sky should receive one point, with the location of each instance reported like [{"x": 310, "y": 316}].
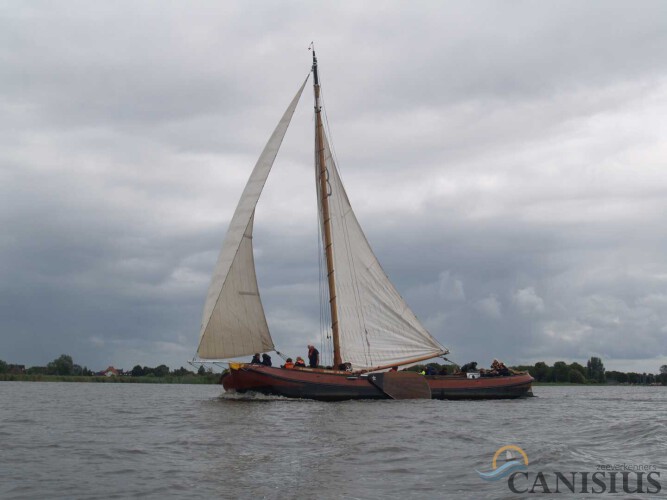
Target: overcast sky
[{"x": 507, "y": 161}]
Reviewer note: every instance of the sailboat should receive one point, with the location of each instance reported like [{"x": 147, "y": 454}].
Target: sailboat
[{"x": 372, "y": 328}]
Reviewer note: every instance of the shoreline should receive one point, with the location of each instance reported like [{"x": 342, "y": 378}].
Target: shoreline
[{"x": 169, "y": 379}]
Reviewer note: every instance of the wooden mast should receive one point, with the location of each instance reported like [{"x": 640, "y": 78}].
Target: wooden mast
[{"x": 326, "y": 218}]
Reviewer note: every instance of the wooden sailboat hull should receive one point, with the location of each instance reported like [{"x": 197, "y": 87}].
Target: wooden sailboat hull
[{"x": 328, "y": 385}]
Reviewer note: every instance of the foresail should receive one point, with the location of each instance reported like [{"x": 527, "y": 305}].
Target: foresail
[
  {"x": 377, "y": 327},
  {"x": 238, "y": 325},
  {"x": 233, "y": 322}
]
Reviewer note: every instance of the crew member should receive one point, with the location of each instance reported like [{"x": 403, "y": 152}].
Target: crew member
[
  {"x": 300, "y": 362},
  {"x": 289, "y": 363},
  {"x": 256, "y": 360},
  {"x": 313, "y": 356},
  {"x": 266, "y": 359}
]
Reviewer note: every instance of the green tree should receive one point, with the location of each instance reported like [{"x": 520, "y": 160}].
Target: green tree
[
  {"x": 663, "y": 370},
  {"x": 62, "y": 365},
  {"x": 561, "y": 372},
  {"x": 541, "y": 371},
  {"x": 202, "y": 370},
  {"x": 579, "y": 368},
  {"x": 182, "y": 372},
  {"x": 595, "y": 369},
  {"x": 161, "y": 371},
  {"x": 619, "y": 377},
  {"x": 137, "y": 371},
  {"x": 576, "y": 377},
  {"x": 4, "y": 367}
]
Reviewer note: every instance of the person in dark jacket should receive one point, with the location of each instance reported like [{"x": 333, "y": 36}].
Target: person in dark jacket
[
  {"x": 313, "y": 356},
  {"x": 266, "y": 359},
  {"x": 256, "y": 360}
]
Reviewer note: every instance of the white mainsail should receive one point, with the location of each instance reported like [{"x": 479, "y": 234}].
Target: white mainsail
[
  {"x": 377, "y": 328},
  {"x": 233, "y": 323}
]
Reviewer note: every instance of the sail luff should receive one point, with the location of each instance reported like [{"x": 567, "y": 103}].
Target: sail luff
[{"x": 233, "y": 321}]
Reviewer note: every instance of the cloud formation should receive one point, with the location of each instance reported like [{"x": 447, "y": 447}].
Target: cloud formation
[{"x": 507, "y": 162}]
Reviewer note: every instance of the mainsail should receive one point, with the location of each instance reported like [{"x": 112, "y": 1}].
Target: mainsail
[
  {"x": 233, "y": 323},
  {"x": 377, "y": 328}
]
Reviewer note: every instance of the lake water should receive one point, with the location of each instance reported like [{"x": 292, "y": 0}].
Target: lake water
[{"x": 71, "y": 440}]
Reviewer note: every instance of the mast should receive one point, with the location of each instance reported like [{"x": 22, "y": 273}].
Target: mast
[{"x": 326, "y": 218}]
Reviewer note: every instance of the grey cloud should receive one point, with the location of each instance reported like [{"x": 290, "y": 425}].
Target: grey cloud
[{"x": 505, "y": 160}]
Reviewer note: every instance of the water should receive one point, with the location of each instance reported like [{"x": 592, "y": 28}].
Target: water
[{"x": 70, "y": 440}]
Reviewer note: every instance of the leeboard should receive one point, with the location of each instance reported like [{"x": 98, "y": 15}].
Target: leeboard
[{"x": 401, "y": 385}]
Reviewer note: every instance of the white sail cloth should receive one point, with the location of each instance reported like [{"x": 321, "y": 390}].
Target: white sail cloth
[
  {"x": 376, "y": 326},
  {"x": 233, "y": 323}
]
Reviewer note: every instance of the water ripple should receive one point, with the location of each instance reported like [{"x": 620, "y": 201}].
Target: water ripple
[{"x": 159, "y": 441}]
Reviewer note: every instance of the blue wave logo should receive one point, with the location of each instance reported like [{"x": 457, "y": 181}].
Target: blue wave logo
[
  {"x": 502, "y": 471},
  {"x": 511, "y": 465}
]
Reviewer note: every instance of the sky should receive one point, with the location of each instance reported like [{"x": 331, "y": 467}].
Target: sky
[{"x": 507, "y": 161}]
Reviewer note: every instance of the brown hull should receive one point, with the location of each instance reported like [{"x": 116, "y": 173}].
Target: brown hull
[{"x": 328, "y": 385}]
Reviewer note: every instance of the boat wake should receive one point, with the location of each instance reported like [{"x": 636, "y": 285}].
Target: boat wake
[{"x": 251, "y": 396}]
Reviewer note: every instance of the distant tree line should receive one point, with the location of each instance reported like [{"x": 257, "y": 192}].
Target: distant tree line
[
  {"x": 593, "y": 373},
  {"x": 561, "y": 372},
  {"x": 163, "y": 371},
  {"x": 64, "y": 365}
]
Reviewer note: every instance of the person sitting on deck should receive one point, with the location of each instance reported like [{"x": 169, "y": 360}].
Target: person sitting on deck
[
  {"x": 313, "y": 356},
  {"x": 430, "y": 370},
  {"x": 266, "y": 359},
  {"x": 300, "y": 362},
  {"x": 256, "y": 360},
  {"x": 499, "y": 369},
  {"x": 289, "y": 364}
]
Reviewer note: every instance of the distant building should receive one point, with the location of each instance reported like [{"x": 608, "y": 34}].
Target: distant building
[
  {"x": 16, "y": 369},
  {"x": 110, "y": 372}
]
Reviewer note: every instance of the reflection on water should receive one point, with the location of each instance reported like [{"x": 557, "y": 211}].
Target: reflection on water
[{"x": 124, "y": 440}]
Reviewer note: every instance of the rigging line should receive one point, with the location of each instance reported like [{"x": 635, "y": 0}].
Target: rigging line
[
  {"x": 350, "y": 257},
  {"x": 334, "y": 156},
  {"x": 326, "y": 339},
  {"x": 361, "y": 317},
  {"x": 322, "y": 317},
  {"x": 324, "y": 327},
  {"x": 319, "y": 261},
  {"x": 325, "y": 313},
  {"x": 347, "y": 245}
]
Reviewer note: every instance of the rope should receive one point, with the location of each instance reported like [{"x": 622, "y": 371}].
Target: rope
[
  {"x": 326, "y": 346},
  {"x": 347, "y": 245}
]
